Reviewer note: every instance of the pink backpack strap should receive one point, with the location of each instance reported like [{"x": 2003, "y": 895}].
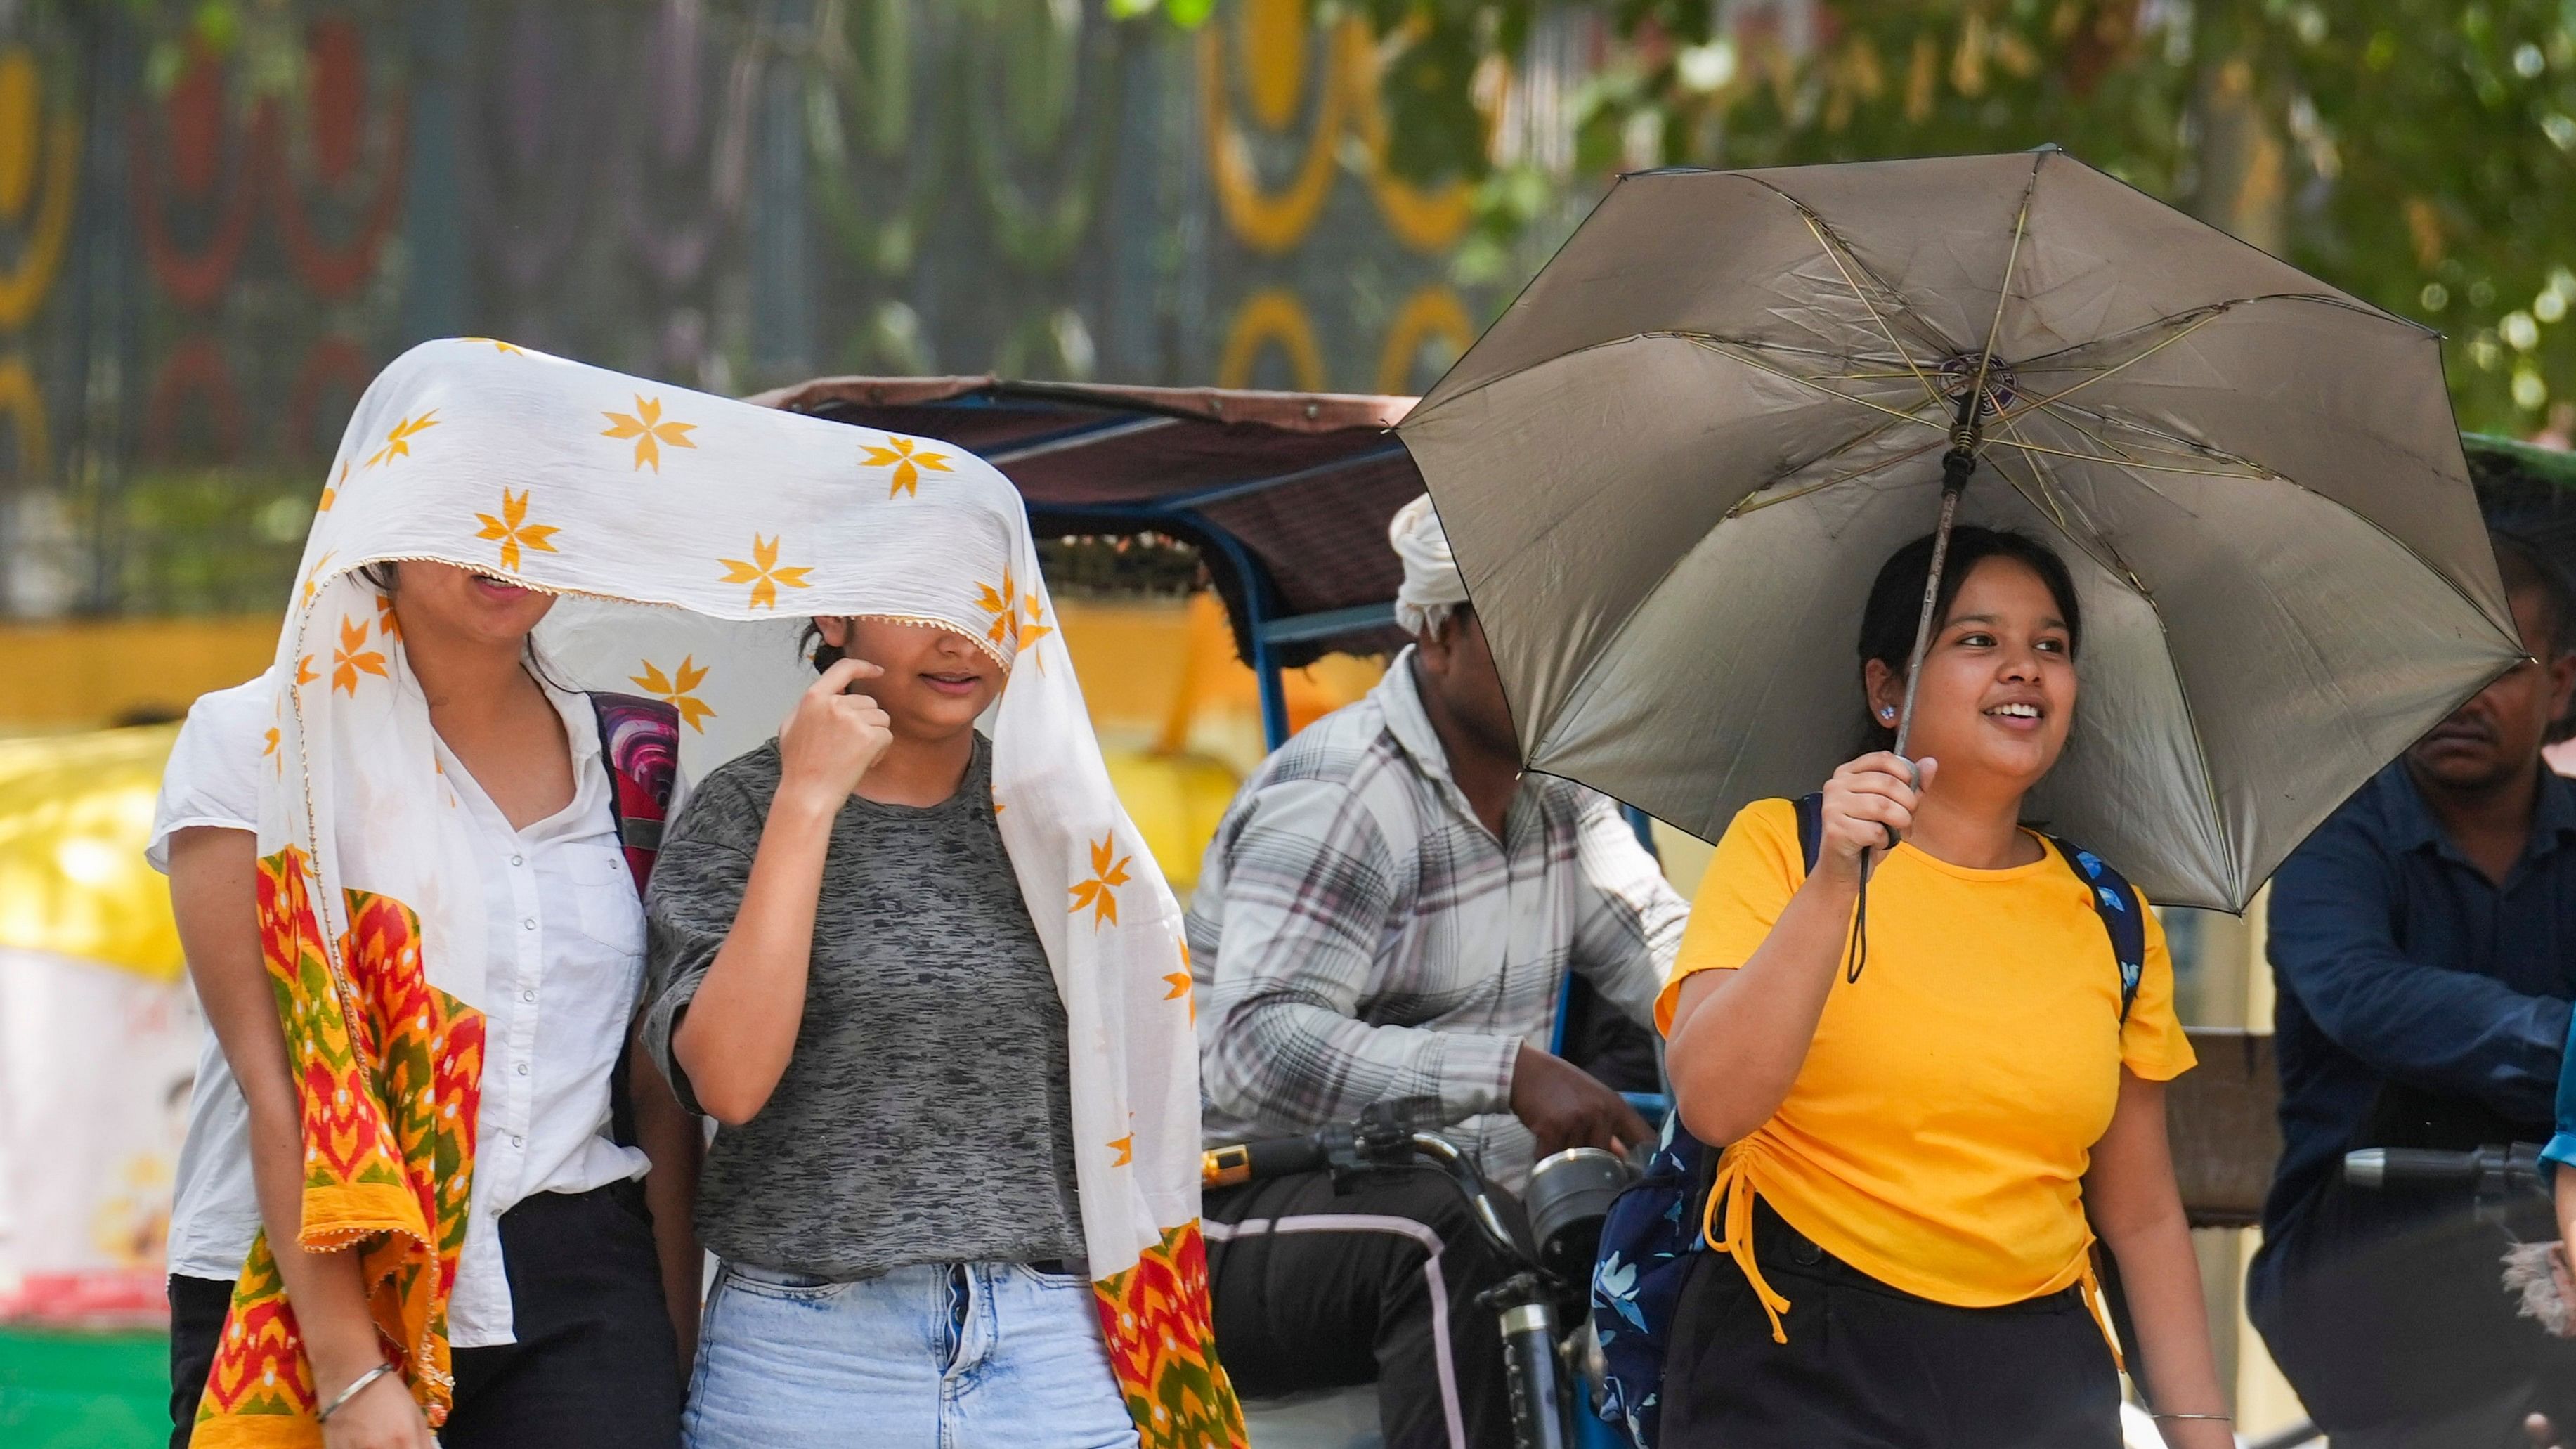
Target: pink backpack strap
[{"x": 639, "y": 741}]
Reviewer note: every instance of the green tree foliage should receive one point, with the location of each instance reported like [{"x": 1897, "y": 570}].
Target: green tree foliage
[{"x": 2413, "y": 152}]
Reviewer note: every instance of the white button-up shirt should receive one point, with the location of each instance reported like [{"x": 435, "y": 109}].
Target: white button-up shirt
[
  {"x": 212, "y": 781},
  {"x": 566, "y": 966}
]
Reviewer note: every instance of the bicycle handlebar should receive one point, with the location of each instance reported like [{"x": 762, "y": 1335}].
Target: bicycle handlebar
[
  {"x": 1254, "y": 1161},
  {"x": 1384, "y": 1137},
  {"x": 2511, "y": 1168}
]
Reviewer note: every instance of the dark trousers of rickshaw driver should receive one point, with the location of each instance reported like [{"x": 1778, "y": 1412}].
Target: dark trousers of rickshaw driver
[{"x": 1314, "y": 1289}]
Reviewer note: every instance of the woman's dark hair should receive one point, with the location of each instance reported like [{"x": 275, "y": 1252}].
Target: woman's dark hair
[
  {"x": 825, "y": 654},
  {"x": 1896, "y": 601}
]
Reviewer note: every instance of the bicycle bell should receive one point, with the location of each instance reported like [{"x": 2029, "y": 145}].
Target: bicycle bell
[{"x": 1569, "y": 1194}]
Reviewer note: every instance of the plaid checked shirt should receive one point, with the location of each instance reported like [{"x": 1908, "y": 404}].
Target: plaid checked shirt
[{"x": 1357, "y": 934}]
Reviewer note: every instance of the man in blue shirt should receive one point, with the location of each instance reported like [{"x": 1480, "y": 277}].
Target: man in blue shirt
[{"x": 2424, "y": 944}]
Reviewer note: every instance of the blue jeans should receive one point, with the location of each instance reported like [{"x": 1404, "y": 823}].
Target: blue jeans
[{"x": 937, "y": 1356}]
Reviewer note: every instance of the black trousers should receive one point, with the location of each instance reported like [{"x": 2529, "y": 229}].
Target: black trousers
[
  {"x": 1868, "y": 1366},
  {"x": 197, "y": 1309},
  {"x": 2384, "y": 1315},
  {"x": 595, "y": 1364},
  {"x": 1313, "y": 1290}
]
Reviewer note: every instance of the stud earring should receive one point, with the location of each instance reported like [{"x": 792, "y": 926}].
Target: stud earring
[{"x": 1887, "y": 711}]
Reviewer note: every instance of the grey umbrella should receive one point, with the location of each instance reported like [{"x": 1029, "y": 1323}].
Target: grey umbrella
[{"x": 1672, "y": 468}]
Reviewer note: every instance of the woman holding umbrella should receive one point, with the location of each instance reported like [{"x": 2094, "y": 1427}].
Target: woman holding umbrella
[
  {"x": 1919, "y": 1161},
  {"x": 1667, "y": 473}
]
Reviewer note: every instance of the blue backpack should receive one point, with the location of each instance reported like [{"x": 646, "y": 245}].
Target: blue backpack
[{"x": 1654, "y": 1225}]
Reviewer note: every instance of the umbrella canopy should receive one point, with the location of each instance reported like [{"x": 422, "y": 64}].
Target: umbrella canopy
[{"x": 1673, "y": 468}]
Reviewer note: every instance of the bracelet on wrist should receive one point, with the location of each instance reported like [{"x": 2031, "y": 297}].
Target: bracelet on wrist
[
  {"x": 356, "y": 1386},
  {"x": 2219, "y": 1418}
]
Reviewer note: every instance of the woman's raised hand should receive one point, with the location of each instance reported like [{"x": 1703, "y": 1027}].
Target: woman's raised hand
[
  {"x": 1869, "y": 805},
  {"x": 831, "y": 738}
]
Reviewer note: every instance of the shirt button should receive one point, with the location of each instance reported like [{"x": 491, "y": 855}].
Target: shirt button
[
  {"x": 523, "y": 1069},
  {"x": 530, "y": 923},
  {"x": 518, "y": 860},
  {"x": 528, "y": 995},
  {"x": 518, "y": 1141}
]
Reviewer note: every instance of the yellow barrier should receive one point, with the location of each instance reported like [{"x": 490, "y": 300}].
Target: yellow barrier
[
  {"x": 81, "y": 675},
  {"x": 75, "y": 811},
  {"x": 1178, "y": 715}
]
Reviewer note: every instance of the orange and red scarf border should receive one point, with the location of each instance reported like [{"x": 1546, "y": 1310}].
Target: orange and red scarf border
[{"x": 389, "y": 1071}]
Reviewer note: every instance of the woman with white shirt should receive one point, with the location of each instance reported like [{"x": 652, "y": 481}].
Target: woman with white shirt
[
  {"x": 207, "y": 817},
  {"x": 562, "y": 1331}
]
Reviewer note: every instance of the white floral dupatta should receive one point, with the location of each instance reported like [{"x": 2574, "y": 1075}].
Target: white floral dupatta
[{"x": 690, "y": 535}]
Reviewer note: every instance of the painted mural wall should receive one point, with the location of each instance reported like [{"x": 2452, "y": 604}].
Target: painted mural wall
[{"x": 210, "y": 237}]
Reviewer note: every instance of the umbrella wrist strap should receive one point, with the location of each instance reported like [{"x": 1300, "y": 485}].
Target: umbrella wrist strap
[{"x": 1856, "y": 950}]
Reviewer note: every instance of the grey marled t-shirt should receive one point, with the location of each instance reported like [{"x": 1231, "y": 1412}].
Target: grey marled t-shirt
[{"x": 926, "y": 1115}]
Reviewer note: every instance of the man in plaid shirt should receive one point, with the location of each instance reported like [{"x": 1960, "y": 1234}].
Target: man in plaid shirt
[{"x": 1389, "y": 910}]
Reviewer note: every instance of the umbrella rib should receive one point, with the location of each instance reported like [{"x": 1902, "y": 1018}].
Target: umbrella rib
[
  {"x": 2212, "y": 315},
  {"x": 2043, "y": 363},
  {"x": 2185, "y": 447},
  {"x": 2046, "y": 361},
  {"x": 2120, "y": 566},
  {"x": 1817, "y": 223},
  {"x": 1758, "y": 344},
  {"x": 2047, "y": 495},
  {"x": 1805, "y": 381},
  {"x": 1752, "y": 502},
  {"x": 2003, "y": 293},
  {"x": 2116, "y": 462},
  {"x": 1815, "y": 227}
]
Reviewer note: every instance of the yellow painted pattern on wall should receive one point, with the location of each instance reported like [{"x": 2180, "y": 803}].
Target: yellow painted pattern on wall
[
  {"x": 1272, "y": 45},
  {"x": 1435, "y": 312},
  {"x": 35, "y": 151},
  {"x": 1271, "y": 317},
  {"x": 22, "y": 406},
  {"x": 1268, "y": 220}
]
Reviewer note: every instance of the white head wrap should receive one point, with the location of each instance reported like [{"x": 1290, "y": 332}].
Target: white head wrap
[{"x": 1432, "y": 586}]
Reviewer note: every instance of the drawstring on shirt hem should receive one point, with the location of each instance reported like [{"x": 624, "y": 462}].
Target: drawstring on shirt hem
[
  {"x": 2101, "y": 1307},
  {"x": 1733, "y": 1186}
]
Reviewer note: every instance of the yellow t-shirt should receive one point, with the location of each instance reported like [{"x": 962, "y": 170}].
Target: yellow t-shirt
[{"x": 1938, "y": 1132}]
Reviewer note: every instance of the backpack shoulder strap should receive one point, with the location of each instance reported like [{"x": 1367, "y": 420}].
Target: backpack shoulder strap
[
  {"x": 2123, "y": 915},
  {"x": 639, "y": 742},
  {"x": 1811, "y": 828}
]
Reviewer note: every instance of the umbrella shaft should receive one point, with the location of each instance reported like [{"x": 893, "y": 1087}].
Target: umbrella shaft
[{"x": 1954, "y": 482}]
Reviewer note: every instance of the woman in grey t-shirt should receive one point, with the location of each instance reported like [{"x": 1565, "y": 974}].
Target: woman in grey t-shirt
[{"x": 845, "y": 975}]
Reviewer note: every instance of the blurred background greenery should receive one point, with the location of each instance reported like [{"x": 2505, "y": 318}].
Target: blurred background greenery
[{"x": 218, "y": 216}]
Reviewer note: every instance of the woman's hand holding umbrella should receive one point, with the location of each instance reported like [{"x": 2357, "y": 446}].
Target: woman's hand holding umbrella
[
  {"x": 1767, "y": 1012},
  {"x": 1869, "y": 804}
]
